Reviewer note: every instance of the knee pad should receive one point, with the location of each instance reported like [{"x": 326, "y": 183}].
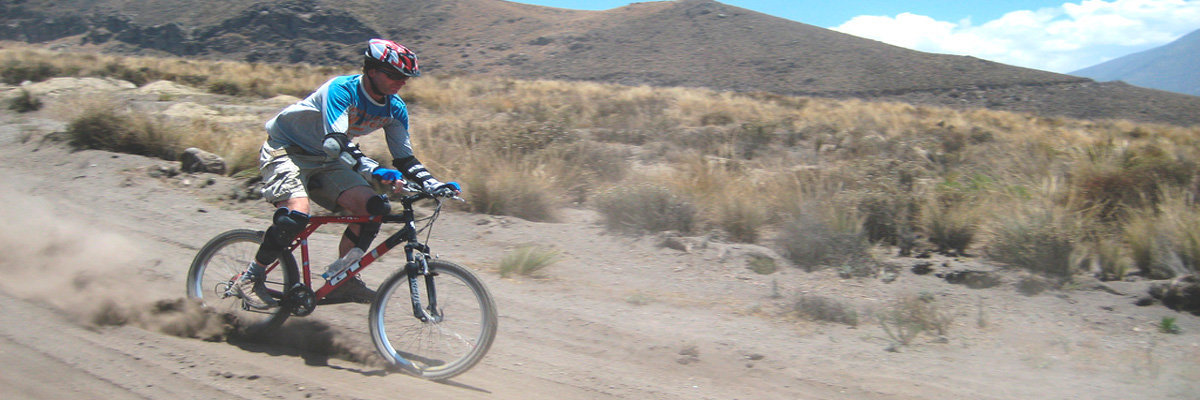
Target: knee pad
[
  {"x": 379, "y": 205},
  {"x": 286, "y": 225}
]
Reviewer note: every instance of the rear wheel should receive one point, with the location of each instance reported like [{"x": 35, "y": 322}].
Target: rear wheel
[
  {"x": 219, "y": 263},
  {"x": 442, "y": 347}
]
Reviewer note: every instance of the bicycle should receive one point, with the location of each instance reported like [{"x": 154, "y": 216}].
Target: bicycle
[{"x": 437, "y": 339}]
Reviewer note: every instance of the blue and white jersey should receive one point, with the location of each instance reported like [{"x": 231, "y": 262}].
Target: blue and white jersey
[{"x": 341, "y": 105}]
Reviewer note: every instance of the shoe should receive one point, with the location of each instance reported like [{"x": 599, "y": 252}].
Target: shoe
[
  {"x": 352, "y": 291},
  {"x": 253, "y": 292}
]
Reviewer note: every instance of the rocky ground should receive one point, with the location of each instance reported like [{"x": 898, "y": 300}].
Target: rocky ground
[{"x": 95, "y": 245}]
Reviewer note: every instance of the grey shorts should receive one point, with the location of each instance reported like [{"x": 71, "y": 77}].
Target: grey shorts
[{"x": 288, "y": 175}]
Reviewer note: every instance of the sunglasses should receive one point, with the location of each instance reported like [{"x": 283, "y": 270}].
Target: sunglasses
[{"x": 394, "y": 75}]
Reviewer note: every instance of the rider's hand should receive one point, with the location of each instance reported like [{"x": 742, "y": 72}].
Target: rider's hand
[
  {"x": 442, "y": 189},
  {"x": 386, "y": 175}
]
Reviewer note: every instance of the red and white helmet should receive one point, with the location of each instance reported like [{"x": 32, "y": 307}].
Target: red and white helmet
[{"x": 392, "y": 55}]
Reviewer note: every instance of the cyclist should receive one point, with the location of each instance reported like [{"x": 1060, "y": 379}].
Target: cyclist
[{"x": 310, "y": 154}]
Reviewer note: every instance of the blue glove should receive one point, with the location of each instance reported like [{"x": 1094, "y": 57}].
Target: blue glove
[{"x": 385, "y": 175}]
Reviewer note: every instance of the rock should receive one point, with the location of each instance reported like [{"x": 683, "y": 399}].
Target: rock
[
  {"x": 972, "y": 279},
  {"x": 1179, "y": 294},
  {"x": 676, "y": 243},
  {"x": 1033, "y": 285},
  {"x": 196, "y": 160}
]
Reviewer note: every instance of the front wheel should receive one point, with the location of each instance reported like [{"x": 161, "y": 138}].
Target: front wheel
[
  {"x": 437, "y": 348},
  {"x": 219, "y": 262}
]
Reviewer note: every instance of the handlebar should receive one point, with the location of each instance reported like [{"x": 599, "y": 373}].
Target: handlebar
[{"x": 410, "y": 186}]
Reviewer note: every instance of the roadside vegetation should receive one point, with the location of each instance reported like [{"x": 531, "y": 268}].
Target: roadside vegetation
[{"x": 821, "y": 180}]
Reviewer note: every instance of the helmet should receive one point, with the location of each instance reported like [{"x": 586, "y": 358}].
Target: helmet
[{"x": 391, "y": 55}]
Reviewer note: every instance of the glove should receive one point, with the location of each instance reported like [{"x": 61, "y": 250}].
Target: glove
[
  {"x": 442, "y": 189},
  {"x": 386, "y": 175}
]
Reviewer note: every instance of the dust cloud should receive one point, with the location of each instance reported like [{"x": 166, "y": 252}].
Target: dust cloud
[{"x": 85, "y": 272}]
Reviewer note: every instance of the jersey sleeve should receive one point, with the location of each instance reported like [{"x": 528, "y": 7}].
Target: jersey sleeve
[
  {"x": 397, "y": 133},
  {"x": 338, "y": 101}
]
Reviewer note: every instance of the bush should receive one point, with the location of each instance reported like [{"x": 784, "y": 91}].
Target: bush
[
  {"x": 510, "y": 189},
  {"x": 820, "y": 308},
  {"x": 107, "y": 130},
  {"x": 1118, "y": 181},
  {"x": 25, "y": 102},
  {"x": 912, "y": 315},
  {"x": 741, "y": 216},
  {"x": 226, "y": 88},
  {"x": 1165, "y": 242},
  {"x": 14, "y": 72},
  {"x": 887, "y": 215},
  {"x": 527, "y": 260},
  {"x": 1039, "y": 243},
  {"x": 951, "y": 228},
  {"x": 645, "y": 207},
  {"x": 811, "y": 242}
]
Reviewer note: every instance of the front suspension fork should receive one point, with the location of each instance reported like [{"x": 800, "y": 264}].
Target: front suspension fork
[{"x": 418, "y": 268}]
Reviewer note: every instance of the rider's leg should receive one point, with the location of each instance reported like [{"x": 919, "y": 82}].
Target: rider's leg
[
  {"x": 354, "y": 201},
  {"x": 288, "y": 221}
]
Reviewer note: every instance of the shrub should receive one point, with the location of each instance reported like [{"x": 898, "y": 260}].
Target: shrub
[
  {"x": 137, "y": 76},
  {"x": 510, "y": 188},
  {"x": 15, "y": 72},
  {"x": 1168, "y": 325},
  {"x": 25, "y": 102},
  {"x": 1165, "y": 242},
  {"x": 1147, "y": 246},
  {"x": 762, "y": 265},
  {"x": 1038, "y": 242},
  {"x": 811, "y": 242},
  {"x": 887, "y": 215},
  {"x": 820, "y": 308},
  {"x": 108, "y": 130},
  {"x": 912, "y": 315},
  {"x": 1119, "y": 180},
  {"x": 528, "y": 260},
  {"x": 741, "y": 216},
  {"x": 645, "y": 207},
  {"x": 1111, "y": 260},
  {"x": 226, "y": 88},
  {"x": 952, "y": 227}
]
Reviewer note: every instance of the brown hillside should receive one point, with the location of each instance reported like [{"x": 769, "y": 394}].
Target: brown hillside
[{"x": 696, "y": 43}]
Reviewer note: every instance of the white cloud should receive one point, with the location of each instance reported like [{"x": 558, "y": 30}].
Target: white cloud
[{"x": 1060, "y": 39}]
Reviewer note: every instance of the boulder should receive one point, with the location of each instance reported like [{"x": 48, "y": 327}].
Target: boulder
[
  {"x": 196, "y": 160},
  {"x": 1179, "y": 294}
]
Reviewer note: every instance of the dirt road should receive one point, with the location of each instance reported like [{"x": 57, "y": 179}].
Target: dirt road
[{"x": 91, "y": 241}]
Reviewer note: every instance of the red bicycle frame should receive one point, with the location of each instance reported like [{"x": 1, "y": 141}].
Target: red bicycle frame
[{"x": 302, "y": 242}]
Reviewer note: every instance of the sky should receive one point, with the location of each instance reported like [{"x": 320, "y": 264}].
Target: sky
[{"x": 1058, "y": 36}]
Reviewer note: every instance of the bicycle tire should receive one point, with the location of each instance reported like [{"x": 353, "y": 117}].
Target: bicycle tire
[
  {"x": 219, "y": 262},
  {"x": 434, "y": 350}
]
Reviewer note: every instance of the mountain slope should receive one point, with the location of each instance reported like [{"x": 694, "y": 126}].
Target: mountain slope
[
  {"x": 696, "y": 43},
  {"x": 1171, "y": 67}
]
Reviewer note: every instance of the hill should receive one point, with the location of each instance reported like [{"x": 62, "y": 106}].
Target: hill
[
  {"x": 697, "y": 43},
  {"x": 1171, "y": 67}
]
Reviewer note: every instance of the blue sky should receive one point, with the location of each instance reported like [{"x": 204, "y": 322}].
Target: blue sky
[{"x": 1059, "y": 36}]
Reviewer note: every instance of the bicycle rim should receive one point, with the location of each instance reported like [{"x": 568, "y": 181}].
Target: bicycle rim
[
  {"x": 216, "y": 266},
  {"x": 434, "y": 350}
]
